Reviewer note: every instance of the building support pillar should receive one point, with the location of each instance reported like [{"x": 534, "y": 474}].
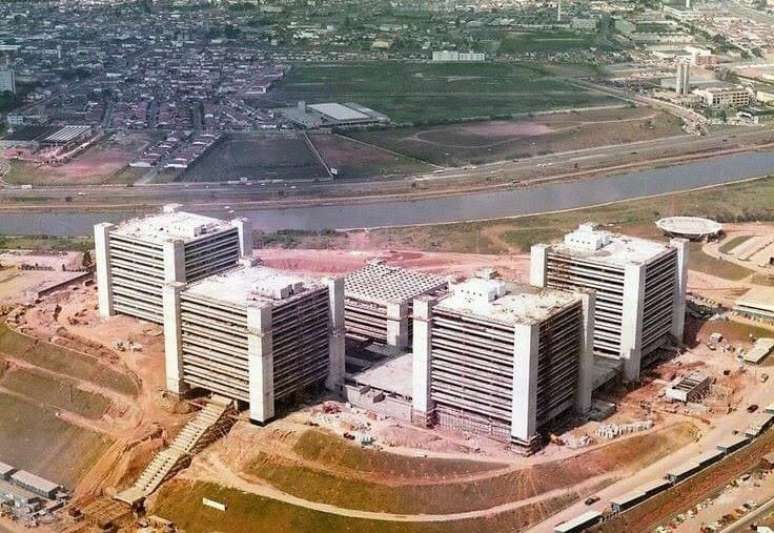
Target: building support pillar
[
  {"x": 173, "y": 342},
  {"x": 525, "y": 376},
  {"x": 245, "y": 229},
  {"x": 631, "y": 320},
  {"x": 174, "y": 261},
  {"x": 260, "y": 363},
  {"x": 103, "y": 274},
  {"x": 421, "y": 404},
  {"x": 397, "y": 325},
  {"x": 538, "y": 260},
  {"x": 586, "y": 363},
  {"x": 336, "y": 348},
  {"x": 681, "y": 284}
]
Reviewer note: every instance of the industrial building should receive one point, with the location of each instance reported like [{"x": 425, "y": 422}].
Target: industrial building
[
  {"x": 501, "y": 359},
  {"x": 333, "y": 115},
  {"x": 726, "y": 96},
  {"x": 639, "y": 284},
  {"x": 254, "y": 334},
  {"x": 378, "y": 302},
  {"x": 7, "y": 80},
  {"x": 136, "y": 258}
]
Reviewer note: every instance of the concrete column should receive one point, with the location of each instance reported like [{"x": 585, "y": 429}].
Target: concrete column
[
  {"x": 260, "y": 363},
  {"x": 586, "y": 362},
  {"x": 104, "y": 275},
  {"x": 525, "y": 374},
  {"x": 245, "y": 229},
  {"x": 681, "y": 284},
  {"x": 173, "y": 342},
  {"x": 174, "y": 261},
  {"x": 397, "y": 325},
  {"x": 631, "y": 320},
  {"x": 538, "y": 260},
  {"x": 336, "y": 348},
  {"x": 422, "y": 405}
]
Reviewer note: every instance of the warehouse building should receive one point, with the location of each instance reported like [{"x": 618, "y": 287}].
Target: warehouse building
[
  {"x": 378, "y": 302},
  {"x": 137, "y": 257},
  {"x": 501, "y": 359},
  {"x": 254, "y": 334},
  {"x": 639, "y": 285}
]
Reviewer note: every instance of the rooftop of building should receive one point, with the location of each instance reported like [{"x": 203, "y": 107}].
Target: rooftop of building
[
  {"x": 380, "y": 283},
  {"x": 508, "y": 303},
  {"x": 171, "y": 224},
  {"x": 253, "y": 284},
  {"x": 590, "y": 242},
  {"x": 759, "y": 297},
  {"x": 392, "y": 375}
]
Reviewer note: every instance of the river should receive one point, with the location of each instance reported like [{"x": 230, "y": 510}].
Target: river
[{"x": 473, "y": 206}]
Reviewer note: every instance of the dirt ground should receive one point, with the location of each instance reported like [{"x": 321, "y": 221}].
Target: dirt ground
[{"x": 98, "y": 164}]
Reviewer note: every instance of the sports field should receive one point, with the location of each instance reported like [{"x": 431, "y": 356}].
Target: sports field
[{"x": 423, "y": 93}]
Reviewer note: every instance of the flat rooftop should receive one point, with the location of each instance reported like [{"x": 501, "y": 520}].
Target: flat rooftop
[
  {"x": 393, "y": 375},
  {"x": 603, "y": 246},
  {"x": 760, "y": 298},
  {"x": 258, "y": 284},
  {"x": 508, "y": 303},
  {"x": 379, "y": 283},
  {"x": 67, "y": 134},
  {"x": 171, "y": 226},
  {"x": 339, "y": 112}
]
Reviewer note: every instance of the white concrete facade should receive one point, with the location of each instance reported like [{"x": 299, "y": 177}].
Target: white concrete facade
[
  {"x": 631, "y": 320},
  {"x": 585, "y": 386},
  {"x": 173, "y": 342},
  {"x": 260, "y": 363},
  {"x": 103, "y": 271},
  {"x": 397, "y": 325},
  {"x": 337, "y": 353},
  {"x": 422, "y": 405},
  {"x": 681, "y": 288},
  {"x": 526, "y": 341}
]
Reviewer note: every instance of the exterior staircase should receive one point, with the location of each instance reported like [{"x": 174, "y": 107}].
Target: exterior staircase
[{"x": 208, "y": 425}]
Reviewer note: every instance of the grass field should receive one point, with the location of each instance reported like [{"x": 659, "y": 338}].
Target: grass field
[
  {"x": 370, "y": 490},
  {"x": 423, "y": 93},
  {"x": 61, "y": 360},
  {"x": 35, "y": 438},
  {"x": 545, "y": 42},
  {"x": 58, "y": 393},
  {"x": 181, "y": 502},
  {"x": 262, "y": 157},
  {"x": 733, "y": 242},
  {"x": 354, "y": 160},
  {"x": 485, "y": 142}
]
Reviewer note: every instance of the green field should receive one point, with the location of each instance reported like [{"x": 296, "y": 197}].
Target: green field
[
  {"x": 61, "y": 360},
  {"x": 181, "y": 502},
  {"x": 423, "y": 93},
  {"x": 733, "y": 242}
]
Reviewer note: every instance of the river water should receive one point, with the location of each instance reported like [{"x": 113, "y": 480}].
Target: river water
[{"x": 468, "y": 207}]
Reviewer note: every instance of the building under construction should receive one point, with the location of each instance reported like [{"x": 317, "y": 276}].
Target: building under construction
[
  {"x": 639, "y": 285},
  {"x": 137, "y": 257},
  {"x": 501, "y": 359},
  {"x": 254, "y": 334},
  {"x": 378, "y": 302}
]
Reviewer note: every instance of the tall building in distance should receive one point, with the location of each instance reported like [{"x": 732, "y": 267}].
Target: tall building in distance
[
  {"x": 683, "y": 79},
  {"x": 136, "y": 258},
  {"x": 254, "y": 334},
  {"x": 501, "y": 359},
  {"x": 7, "y": 80},
  {"x": 639, "y": 289}
]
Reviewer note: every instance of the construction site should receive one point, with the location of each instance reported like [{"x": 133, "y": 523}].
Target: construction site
[{"x": 399, "y": 390}]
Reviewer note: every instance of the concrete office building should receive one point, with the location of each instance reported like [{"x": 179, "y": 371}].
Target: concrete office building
[
  {"x": 254, "y": 334},
  {"x": 137, "y": 257},
  {"x": 639, "y": 285},
  {"x": 501, "y": 359},
  {"x": 378, "y": 302},
  {"x": 683, "y": 80}
]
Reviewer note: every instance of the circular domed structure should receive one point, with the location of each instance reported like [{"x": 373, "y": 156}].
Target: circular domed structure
[{"x": 694, "y": 228}]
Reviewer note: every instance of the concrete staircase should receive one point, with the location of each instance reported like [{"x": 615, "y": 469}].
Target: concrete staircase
[{"x": 208, "y": 425}]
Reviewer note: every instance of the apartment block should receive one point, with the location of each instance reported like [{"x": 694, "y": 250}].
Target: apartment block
[
  {"x": 136, "y": 258},
  {"x": 254, "y": 334},
  {"x": 501, "y": 359},
  {"x": 378, "y": 302},
  {"x": 639, "y": 288}
]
